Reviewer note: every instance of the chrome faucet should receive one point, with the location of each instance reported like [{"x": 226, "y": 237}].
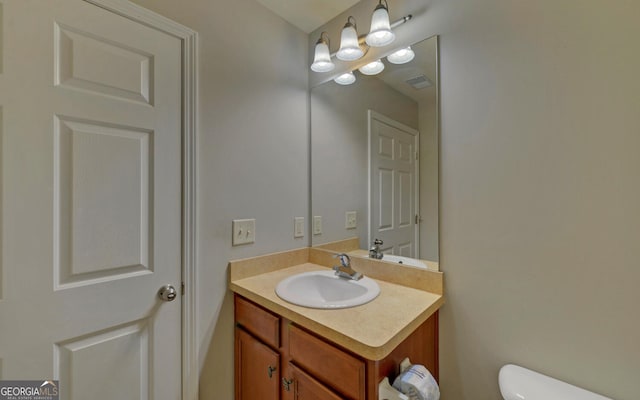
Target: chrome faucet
[
  {"x": 374, "y": 251},
  {"x": 344, "y": 270}
]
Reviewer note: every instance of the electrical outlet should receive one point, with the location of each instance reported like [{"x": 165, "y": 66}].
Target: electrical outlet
[
  {"x": 317, "y": 225},
  {"x": 244, "y": 231},
  {"x": 298, "y": 227},
  {"x": 350, "y": 221}
]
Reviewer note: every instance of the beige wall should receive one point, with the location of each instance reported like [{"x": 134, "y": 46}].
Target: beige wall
[
  {"x": 540, "y": 228},
  {"x": 429, "y": 164},
  {"x": 540, "y": 189},
  {"x": 252, "y": 153}
]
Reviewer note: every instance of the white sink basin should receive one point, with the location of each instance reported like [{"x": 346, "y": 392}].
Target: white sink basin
[
  {"x": 323, "y": 289},
  {"x": 404, "y": 260}
]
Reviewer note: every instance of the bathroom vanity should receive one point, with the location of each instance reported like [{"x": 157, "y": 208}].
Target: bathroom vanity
[{"x": 284, "y": 351}]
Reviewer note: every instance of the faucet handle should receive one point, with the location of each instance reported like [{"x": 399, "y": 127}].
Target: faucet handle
[
  {"x": 374, "y": 251},
  {"x": 344, "y": 259}
]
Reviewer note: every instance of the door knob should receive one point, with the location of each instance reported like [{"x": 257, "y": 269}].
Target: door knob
[{"x": 167, "y": 293}]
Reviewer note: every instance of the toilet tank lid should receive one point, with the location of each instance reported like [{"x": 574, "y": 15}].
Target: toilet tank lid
[{"x": 518, "y": 383}]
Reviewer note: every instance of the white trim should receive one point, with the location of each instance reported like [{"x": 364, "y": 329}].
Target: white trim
[
  {"x": 371, "y": 115},
  {"x": 189, "y": 38},
  {"x": 190, "y": 369}
]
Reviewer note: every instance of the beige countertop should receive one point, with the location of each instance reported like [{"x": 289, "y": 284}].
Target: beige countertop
[{"x": 371, "y": 330}]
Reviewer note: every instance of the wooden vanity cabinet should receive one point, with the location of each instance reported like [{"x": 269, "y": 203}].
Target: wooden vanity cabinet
[
  {"x": 338, "y": 369},
  {"x": 257, "y": 369},
  {"x": 276, "y": 359},
  {"x": 308, "y": 388}
]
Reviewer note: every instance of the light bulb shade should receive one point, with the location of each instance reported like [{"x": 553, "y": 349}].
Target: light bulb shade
[
  {"x": 345, "y": 79},
  {"x": 349, "y": 48},
  {"x": 401, "y": 56},
  {"x": 380, "y": 33},
  {"x": 322, "y": 59},
  {"x": 373, "y": 68}
]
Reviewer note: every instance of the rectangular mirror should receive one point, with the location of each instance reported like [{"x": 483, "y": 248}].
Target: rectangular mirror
[{"x": 374, "y": 151}]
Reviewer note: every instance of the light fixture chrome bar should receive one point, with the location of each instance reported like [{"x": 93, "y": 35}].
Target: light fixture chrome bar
[{"x": 401, "y": 21}]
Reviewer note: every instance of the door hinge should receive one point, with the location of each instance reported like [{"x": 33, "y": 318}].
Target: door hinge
[
  {"x": 416, "y": 155},
  {"x": 417, "y": 219},
  {"x": 182, "y": 288}
]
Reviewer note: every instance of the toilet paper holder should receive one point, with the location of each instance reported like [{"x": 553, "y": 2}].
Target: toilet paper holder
[{"x": 388, "y": 392}]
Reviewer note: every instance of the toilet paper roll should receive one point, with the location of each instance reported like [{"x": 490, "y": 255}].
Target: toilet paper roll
[
  {"x": 386, "y": 392},
  {"x": 417, "y": 383}
]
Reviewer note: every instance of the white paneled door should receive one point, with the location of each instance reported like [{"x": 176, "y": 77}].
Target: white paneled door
[
  {"x": 90, "y": 139},
  {"x": 393, "y": 185}
]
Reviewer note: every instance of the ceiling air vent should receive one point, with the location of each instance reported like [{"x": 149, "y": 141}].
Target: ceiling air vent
[{"x": 419, "y": 82}]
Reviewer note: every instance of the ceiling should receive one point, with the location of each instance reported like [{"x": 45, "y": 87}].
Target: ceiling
[{"x": 308, "y": 15}]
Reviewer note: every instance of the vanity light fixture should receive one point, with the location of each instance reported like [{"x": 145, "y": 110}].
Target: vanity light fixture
[
  {"x": 349, "y": 47},
  {"x": 346, "y": 79},
  {"x": 380, "y": 33},
  {"x": 352, "y": 46},
  {"x": 373, "y": 68},
  {"x": 401, "y": 56},
  {"x": 322, "y": 58}
]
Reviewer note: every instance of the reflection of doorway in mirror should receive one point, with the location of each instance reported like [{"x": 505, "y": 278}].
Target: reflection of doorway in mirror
[{"x": 393, "y": 183}]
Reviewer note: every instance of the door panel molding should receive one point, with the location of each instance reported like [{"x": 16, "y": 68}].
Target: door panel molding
[
  {"x": 77, "y": 51},
  {"x": 189, "y": 38},
  {"x": 78, "y": 145},
  {"x": 112, "y": 346}
]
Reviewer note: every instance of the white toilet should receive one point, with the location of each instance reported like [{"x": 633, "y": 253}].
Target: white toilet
[{"x": 517, "y": 383}]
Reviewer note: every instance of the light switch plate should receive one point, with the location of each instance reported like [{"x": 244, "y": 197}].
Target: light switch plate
[
  {"x": 317, "y": 225},
  {"x": 350, "y": 220},
  {"x": 244, "y": 231},
  {"x": 298, "y": 227}
]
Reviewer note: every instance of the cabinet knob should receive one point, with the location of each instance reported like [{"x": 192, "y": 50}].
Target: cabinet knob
[
  {"x": 271, "y": 370},
  {"x": 287, "y": 384}
]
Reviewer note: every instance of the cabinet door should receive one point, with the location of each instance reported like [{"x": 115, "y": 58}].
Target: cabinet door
[
  {"x": 307, "y": 388},
  {"x": 257, "y": 369}
]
